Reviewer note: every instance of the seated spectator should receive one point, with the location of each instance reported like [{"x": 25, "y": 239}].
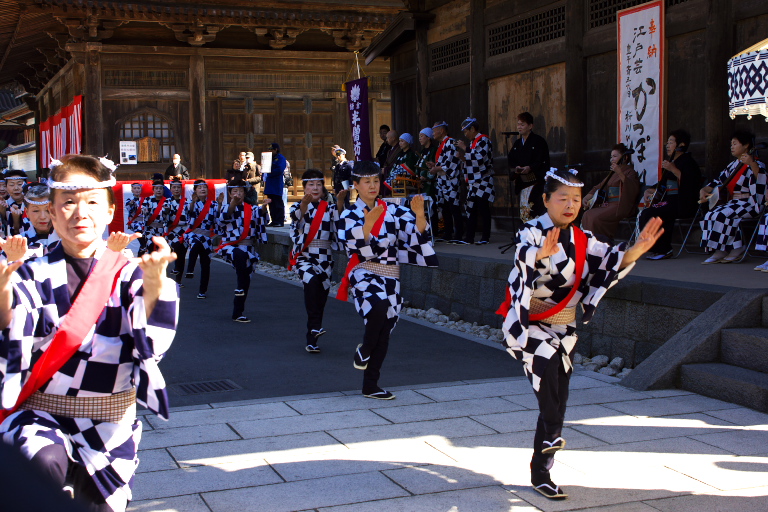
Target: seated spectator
[
  {"x": 743, "y": 185},
  {"x": 616, "y": 196},
  {"x": 676, "y": 195},
  {"x": 405, "y": 165}
]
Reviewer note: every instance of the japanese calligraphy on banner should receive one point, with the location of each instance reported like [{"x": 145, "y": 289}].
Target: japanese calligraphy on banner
[
  {"x": 61, "y": 134},
  {"x": 357, "y": 101},
  {"x": 641, "y": 64}
]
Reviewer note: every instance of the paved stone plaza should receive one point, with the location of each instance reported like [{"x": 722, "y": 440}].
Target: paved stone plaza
[{"x": 458, "y": 446}]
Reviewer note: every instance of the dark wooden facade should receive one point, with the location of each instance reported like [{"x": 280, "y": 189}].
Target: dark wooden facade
[
  {"x": 208, "y": 82},
  {"x": 557, "y": 59}
]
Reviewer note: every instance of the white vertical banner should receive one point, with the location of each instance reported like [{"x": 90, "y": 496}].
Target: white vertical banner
[{"x": 640, "y": 88}]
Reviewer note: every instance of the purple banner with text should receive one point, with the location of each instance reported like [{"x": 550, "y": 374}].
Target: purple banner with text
[{"x": 357, "y": 102}]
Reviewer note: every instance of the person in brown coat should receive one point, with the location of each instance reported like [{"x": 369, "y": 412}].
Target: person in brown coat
[{"x": 620, "y": 189}]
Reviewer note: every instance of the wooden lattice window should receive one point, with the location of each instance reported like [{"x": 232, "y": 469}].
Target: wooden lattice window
[
  {"x": 150, "y": 124},
  {"x": 450, "y": 54},
  {"x": 541, "y": 27},
  {"x": 603, "y": 12}
]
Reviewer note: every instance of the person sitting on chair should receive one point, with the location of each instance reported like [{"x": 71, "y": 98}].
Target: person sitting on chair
[
  {"x": 676, "y": 196},
  {"x": 619, "y": 190},
  {"x": 405, "y": 165},
  {"x": 745, "y": 182}
]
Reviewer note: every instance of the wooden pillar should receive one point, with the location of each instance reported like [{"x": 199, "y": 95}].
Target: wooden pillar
[
  {"x": 422, "y": 76},
  {"x": 93, "y": 121},
  {"x": 719, "y": 48},
  {"x": 199, "y": 139},
  {"x": 478, "y": 86},
  {"x": 575, "y": 89}
]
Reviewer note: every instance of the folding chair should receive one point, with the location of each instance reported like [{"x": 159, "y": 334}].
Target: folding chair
[
  {"x": 754, "y": 233},
  {"x": 688, "y": 234}
]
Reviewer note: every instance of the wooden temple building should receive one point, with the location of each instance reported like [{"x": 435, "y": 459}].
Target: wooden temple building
[
  {"x": 210, "y": 79},
  {"x": 203, "y": 79}
]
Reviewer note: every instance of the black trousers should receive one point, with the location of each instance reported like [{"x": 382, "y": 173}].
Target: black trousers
[
  {"x": 240, "y": 262},
  {"x": 375, "y": 344},
  {"x": 668, "y": 214},
  {"x": 480, "y": 208},
  {"x": 205, "y": 264},
  {"x": 54, "y": 463},
  {"x": 181, "y": 252},
  {"x": 315, "y": 298},
  {"x": 276, "y": 209},
  {"x": 453, "y": 221},
  {"x": 553, "y": 397}
]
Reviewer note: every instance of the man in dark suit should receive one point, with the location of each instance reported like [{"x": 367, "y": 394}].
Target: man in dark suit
[
  {"x": 528, "y": 165},
  {"x": 381, "y": 154},
  {"x": 176, "y": 169}
]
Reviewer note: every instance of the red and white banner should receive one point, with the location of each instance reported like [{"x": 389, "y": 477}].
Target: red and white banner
[
  {"x": 123, "y": 191},
  {"x": 641, "y": 66},
  {"x": 62, "y": 133}
]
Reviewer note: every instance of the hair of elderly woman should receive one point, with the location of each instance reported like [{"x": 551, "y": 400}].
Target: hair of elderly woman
[
  {"x": 744, "y": 138},
  {"x": 552, "y": 184},
  {"x": 37, "y": 192},
  {"x": 86, "y": 165},
  {"x": 365, "y": 168}
]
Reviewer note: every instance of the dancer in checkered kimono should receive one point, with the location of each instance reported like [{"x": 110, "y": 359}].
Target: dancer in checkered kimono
[
  {"x": 378, "y": 238},
  {"x": 478, "y": 166},
  {"x": 540, "y": 309},
  {"x": 237, "y": 240},
  {"x": 135, "y": 219},
  {"x": 312, "y": 259},
  {"x": 176, "y": 224},
  {"x": 34, "y": 240},
  {"x": 14, "y": 205},
  {"x": 201, "y": 216},
  {"x": 746, "y": 180},
  {"x": 154, "y": 213},
  {"x": 447, "y": 168},
  {"x": 79, "y": 425}
]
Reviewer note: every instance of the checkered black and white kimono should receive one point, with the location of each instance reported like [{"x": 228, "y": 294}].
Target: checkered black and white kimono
[
  {"x": 478, "y": 166},
  {"x": 171, "y": 209},
  {"x": 208, "y": 225},
  {"x": 720, "y": 227},
  {"x": 398, "y": 242},
  {"x": 448, "y": 185},
  {"x": 131, "y": 206},
  {"x": 122, "y": 353},
  {"x": 231, "y": 227},
  {"x": 551, "y": 279},
  {"x": 157, "y": 228},
  {"x": 762, "y": 234},
  {"x": 314, "y": 260}
]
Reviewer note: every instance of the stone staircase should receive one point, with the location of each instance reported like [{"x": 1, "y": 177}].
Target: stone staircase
[{"x": 741, "y": 373}]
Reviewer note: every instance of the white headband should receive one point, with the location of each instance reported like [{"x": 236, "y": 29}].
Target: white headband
[
  {"x": 81, "y": 185},
  {"x": 15, "y": 178},
  {"x": 551, "y": 174},
  {"x": 38, "y": 203},
  {"x": 314, "y": 179}
]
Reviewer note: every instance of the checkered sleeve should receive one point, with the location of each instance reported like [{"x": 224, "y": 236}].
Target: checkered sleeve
[
  {"x": 723, "y": 175},
  {"x": 603, "y": 262},
  {"x": 352, "y": 236},
  {"x": 298, "y": 223},
  {"x": 450, "y": 161},
  {"x": 17, "y": 342},
  {"x": 476, "y": 159},
  {"x": 415, "y": 247},
  {"x": 334, "y": 215}
]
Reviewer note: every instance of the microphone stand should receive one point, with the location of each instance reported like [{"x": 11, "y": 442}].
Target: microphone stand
[{"x": 511, "y": 244}]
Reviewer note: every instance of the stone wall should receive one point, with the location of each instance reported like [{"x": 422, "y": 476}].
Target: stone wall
[{"x": 634, "y": 319}]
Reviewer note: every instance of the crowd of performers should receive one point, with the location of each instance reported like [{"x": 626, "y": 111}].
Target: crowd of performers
[{"x": 85, "y": 326}]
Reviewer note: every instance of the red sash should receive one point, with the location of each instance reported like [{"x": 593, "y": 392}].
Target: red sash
[
  {"x": 157, "y": 211},
  {"x": 580, "y": 240},
  {"x": 317, "y": 220},
  {"x": 355, "y": 259},
  {"x": 477, "y": 139},
  {"x": 440, "y": 149},
  {"x": 75, "y": 326},
  {"x": 736, "y": 177},
  {"x": 247, "y": 216},
  {"x": 178, "y": 215},
  {"x": 138, "y": 210},
  {"x": 200, "y": 218}
]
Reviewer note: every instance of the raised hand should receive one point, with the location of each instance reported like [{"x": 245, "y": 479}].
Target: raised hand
[
  {"x": 118, "y": 240},
  {"x": 373, "y": 215},
  {"x": 462, "y": 145},
  {"x": 16, "y": 211},
  {"x": 15, "y": 247},
  {"x": 220, "y": 198},
  {"x": 417, "y": 205},
  {"x": 549, "y": 247},
  {"x": 154, "y": 264},
  {"x": 648, "y": 237},
  {"x": 342, "y": 195}
]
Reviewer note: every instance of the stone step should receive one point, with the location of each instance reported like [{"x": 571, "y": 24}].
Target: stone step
[
  {"x": 728, "y": 383},
  {"x": 747, "y": 348}
]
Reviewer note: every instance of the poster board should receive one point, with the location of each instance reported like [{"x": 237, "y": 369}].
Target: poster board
[
  {"x": 641, "y": 47},
  {"x": 129, "y": 154}
]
